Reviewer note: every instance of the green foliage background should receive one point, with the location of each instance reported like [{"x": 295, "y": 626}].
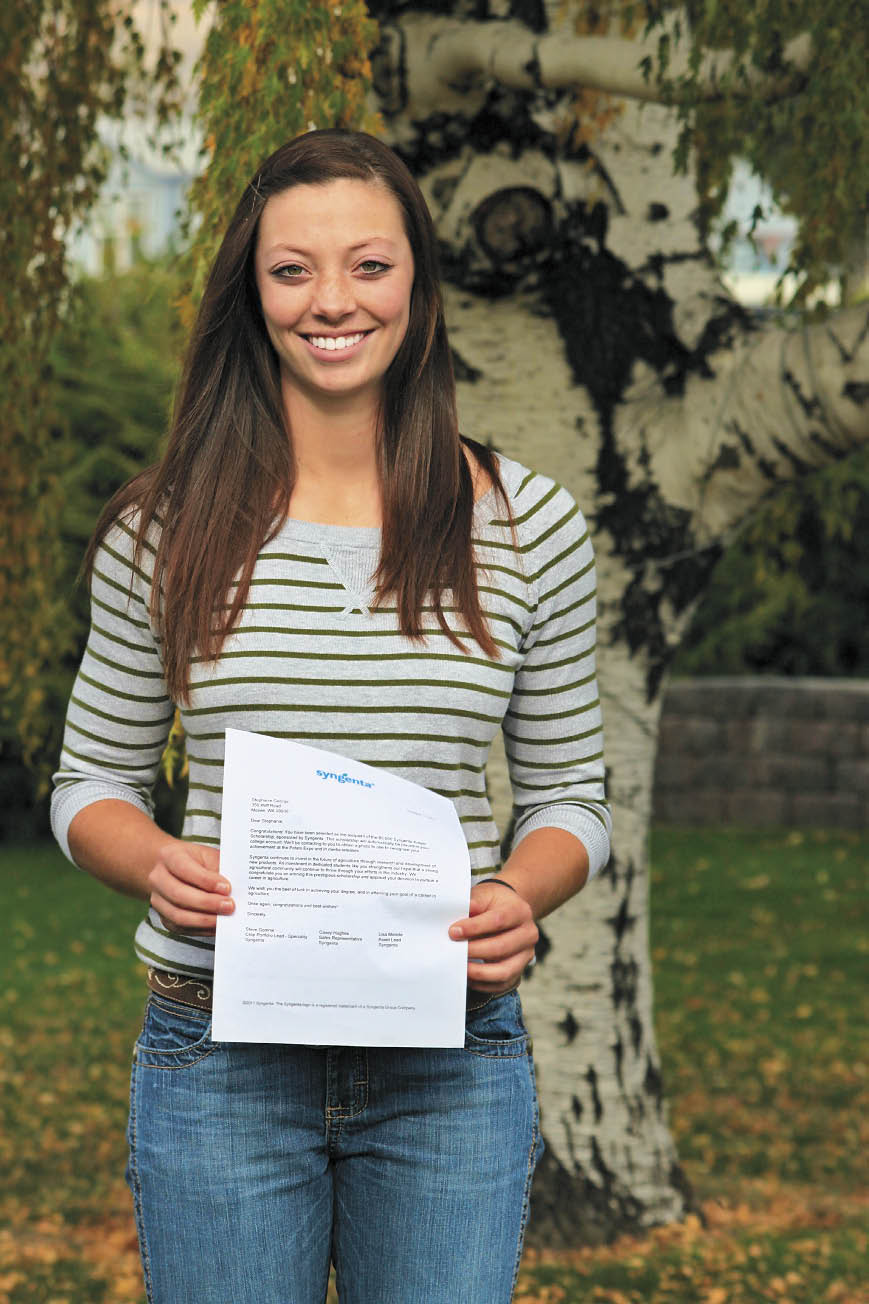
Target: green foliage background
[
  {"x": 113, "y": 362},
  {"x": 791, "y": 593},
  {"x": 812, "y": 147},
  {"x": 67, "y": 67}
]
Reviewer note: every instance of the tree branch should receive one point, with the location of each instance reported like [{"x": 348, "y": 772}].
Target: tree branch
[
  {"x": 444, "y": 53},
  {"x": 793, "y": 400}
]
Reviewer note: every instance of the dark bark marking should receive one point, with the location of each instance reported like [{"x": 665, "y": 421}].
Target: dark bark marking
[
  {"x": 381, "y": 9},
  {"x": 618, "y": 1056},
  {"x": 505, "y": 118},
  {"x": 591, "y": 1079},
  {"x": 625, "y": 979},
  {"x": 542, "y": 946},
  {"x": 570, "y": 1209},
  {"x": 576, "y": 1107},
  {"x": 622, "y": 921},
  {"x": 808, "y": 402},
  {"x": 767, "y": 468},
  {"x": 630, "y": 875},
  {"x": 635, "y": 1024},
  {"x": 530, "y": 12},
  {"x": 607, "y": 1176},
  {"x": 443, "y": 189},
  {"x": 680, "y": 1182},
  {"x": 597, "y": 224},
  {"x": 463, "y": 370},
  {"x": 743, "y": 437},
  {"x": 657, "y": 213},
  {"x": 857, "y": 391},
  {"x": 609, "y": 319},
  {"x": 653, "y": 1083},
  {"x": 829, "y": 449},
  {"x": 389, "y": 69},
  {"x": 727, "y": 459},
  {"x": 798, "y": 464},
  {"x": 847, "y": 355},
  {"x": 656, "y": 264},
  {"x": 569, "y": 1027}
]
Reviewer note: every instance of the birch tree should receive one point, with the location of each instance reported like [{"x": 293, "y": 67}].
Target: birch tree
[{"x": 594, "y": 340}]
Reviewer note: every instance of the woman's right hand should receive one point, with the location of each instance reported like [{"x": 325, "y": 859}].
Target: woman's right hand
[{"x": 187, "y": 889}]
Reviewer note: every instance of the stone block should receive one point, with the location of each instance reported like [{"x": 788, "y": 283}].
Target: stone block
[
  {"x": 799, "y": 773},
  {"x": 833, "y": 737},
  {"x": 691, "y": 806},
  {"x": 787, "y": 699},
  {"x": 705, "y": 697},
  {"x": 670, "y": 733},
  {"x": 756, "y": 807},
  {"x": 852, "y": 776},
  {"x": 782, "y": 770},
  {"x": 836, "y": 810},
  {"x": 737, "y": 735},
  {"x": 769, "y": 732},
  {"x": 840, "y": 699},
  {"x": 700, "y": 737},
  {"x": 674, "y": 771},
  {"x": 753, "y": 772}
]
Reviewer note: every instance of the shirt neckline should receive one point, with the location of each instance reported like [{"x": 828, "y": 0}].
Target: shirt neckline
[{"x": 368, "y": 536}]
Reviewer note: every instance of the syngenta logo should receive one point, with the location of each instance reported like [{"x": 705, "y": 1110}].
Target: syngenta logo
[{"x": 344, "y": 778}]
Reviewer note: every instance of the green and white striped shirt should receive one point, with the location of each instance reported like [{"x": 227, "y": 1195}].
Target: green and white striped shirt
[{"x": 310, "y": 661}]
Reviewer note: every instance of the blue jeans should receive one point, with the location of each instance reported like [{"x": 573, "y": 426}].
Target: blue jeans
[{"x": 252, "y": 1166}]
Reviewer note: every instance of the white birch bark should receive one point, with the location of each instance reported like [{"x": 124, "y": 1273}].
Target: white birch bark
[{"x": 595, "y": 342}]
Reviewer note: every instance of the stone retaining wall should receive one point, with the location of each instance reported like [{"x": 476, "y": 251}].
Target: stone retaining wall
[{"x": 764, "y": 751}]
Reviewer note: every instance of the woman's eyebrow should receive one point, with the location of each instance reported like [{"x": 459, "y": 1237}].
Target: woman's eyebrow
[{"x": 307, "y": 253}]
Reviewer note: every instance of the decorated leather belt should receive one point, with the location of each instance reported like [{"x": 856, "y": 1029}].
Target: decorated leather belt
[
  {"x": 178, "y": 987},
  {"x": 197, "y": 992}
]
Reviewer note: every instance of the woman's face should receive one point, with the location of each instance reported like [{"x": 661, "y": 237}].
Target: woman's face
[{"x": 334, "y": 270}]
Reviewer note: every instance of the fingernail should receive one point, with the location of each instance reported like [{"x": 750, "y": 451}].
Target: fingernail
[
  {"x": 456, "y": 931},
  {"x": 226, "y": 907},
  {"x": 222, "y": 885}
]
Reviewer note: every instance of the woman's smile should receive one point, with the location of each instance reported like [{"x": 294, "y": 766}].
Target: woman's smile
[{"x": 337, "y": 348}]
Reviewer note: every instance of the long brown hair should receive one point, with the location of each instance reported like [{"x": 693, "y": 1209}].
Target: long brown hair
[{"x": 223, "y": 487}]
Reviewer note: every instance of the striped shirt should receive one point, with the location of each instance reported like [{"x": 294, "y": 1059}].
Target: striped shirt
[{"x": 310, "y": 660}]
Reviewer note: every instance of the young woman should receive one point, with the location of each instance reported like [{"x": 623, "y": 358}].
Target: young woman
[{"x": 320, "y": 556}]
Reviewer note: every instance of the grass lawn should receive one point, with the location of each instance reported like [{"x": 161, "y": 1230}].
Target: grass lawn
[{"x": 760, "y": 953}]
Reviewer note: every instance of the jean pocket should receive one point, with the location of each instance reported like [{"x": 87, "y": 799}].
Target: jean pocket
[
  {"x": 497, "y": 1027},
  {"x": 173, "y": 1035}
]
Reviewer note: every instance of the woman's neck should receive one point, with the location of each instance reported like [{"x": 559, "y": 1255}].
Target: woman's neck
[{"x": 335, "y": 451}]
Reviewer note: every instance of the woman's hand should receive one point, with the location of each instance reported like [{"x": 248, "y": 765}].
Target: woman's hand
[
  {"x": 187, "y": 889},
  {"x": 500, "y": 929}
]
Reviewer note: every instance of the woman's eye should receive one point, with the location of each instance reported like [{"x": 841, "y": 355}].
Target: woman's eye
[
  {"x": 373, "y": 265},
  {"x": 289, "y": 270}
]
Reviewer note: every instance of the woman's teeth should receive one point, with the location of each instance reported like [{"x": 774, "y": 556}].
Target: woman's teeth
[{"x": 335, "y": 341}]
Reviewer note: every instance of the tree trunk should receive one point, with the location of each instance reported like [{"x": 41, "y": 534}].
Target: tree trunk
[{"x": 594, "y": 341}]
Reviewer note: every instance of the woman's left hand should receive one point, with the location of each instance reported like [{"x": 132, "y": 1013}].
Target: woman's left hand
[{"x": 500, "y": 929}]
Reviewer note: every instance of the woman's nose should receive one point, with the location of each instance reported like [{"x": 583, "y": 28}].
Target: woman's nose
[{"x": 334, "y": 296}]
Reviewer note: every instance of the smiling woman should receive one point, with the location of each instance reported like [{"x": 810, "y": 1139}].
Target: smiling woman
[{"x": 321, "y": 556}]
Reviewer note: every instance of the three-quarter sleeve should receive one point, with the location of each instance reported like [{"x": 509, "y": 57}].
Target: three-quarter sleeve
[
  {"x": 553, "y": 729},
  {"x": 119, "y": 714}
]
